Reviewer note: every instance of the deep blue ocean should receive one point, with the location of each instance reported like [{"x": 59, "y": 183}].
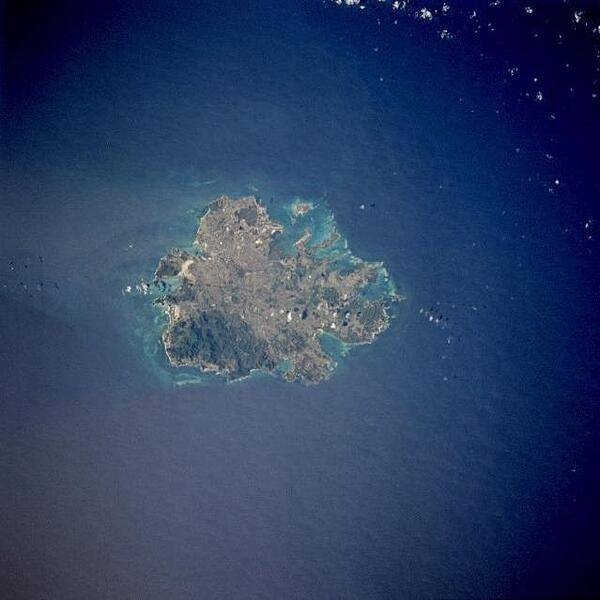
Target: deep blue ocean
[{"x": 456, "y": 459}]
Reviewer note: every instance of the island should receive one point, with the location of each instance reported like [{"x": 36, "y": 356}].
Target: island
[{"x": 255, "y": 294}]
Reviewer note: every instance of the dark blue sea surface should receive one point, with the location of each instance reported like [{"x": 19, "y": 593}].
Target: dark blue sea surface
[{"x": 456, "y": 457}]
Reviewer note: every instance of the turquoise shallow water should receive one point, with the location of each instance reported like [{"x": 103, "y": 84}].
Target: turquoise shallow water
[{"x": 454, "y": 458}]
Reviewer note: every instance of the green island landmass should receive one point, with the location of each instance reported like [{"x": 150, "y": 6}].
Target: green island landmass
[{"x": 239, "y": 301}]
